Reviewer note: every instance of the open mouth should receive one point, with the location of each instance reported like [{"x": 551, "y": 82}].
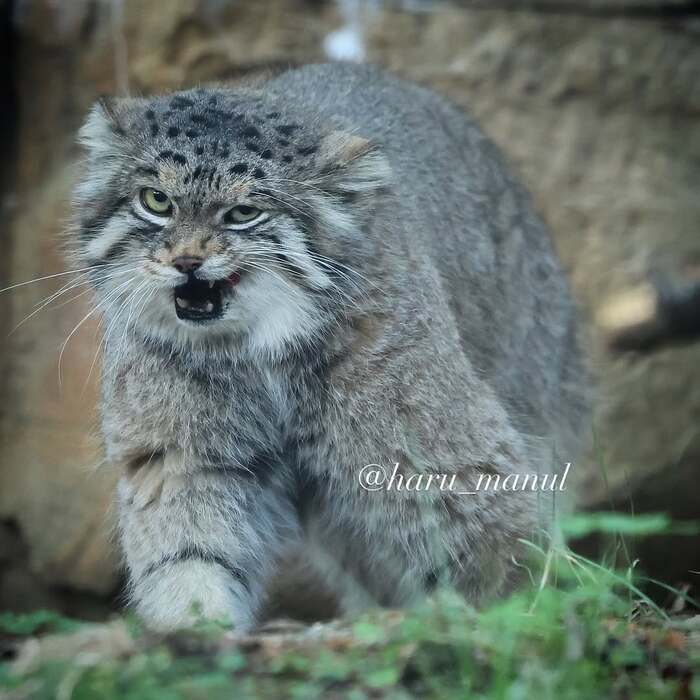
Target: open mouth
[{"x": 202, "y": 300}]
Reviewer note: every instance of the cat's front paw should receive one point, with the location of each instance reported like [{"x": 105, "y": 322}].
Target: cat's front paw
[{"x": 189, "y": 592}]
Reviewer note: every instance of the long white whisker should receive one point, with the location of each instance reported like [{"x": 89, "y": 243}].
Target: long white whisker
[
  {"x": 282, "y": 201},
  {"x": 265, "y": 256},
  {"x": 47, "y": 277},
  {"x": 83, "y": 278},
  {"x": 324, "y": 260},
  {"x": 80, "y": 323},
  {"x": 103, "y": 340},
  {"x": 317, "y": 256},
  {"x": 265, "y": 263},
  {"x": 105, "y": 335},
  {"x": 269, "y": 271},
  {"x": 64, "y": 290},
  {"x": 122, "y": 342}
]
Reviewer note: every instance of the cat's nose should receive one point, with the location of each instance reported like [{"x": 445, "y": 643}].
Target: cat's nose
[{"x": 187, "y": 263}]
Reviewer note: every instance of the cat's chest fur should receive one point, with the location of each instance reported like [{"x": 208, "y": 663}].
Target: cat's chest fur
[{"x": 218, "y": 410}]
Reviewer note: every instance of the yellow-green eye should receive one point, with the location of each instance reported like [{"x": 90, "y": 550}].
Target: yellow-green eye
[
  {"x": 242, "y": 214},
  {"x": 156, "y": 202}
]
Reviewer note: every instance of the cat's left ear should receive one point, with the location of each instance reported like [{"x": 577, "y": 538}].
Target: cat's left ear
[{"x": 352, "y": 165}]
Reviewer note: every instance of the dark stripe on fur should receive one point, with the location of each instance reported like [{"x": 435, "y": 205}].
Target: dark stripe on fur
[
  {"x": 299, "y": 275},
  {"x": 146, "y": 171},
  {"x": 193, "y": 553},
  {"x": 150, "y": 226},
  {"x": 115, "y": 250},
  {"x": 94, "y": 225},
  {"x": 261, "y": 467}
]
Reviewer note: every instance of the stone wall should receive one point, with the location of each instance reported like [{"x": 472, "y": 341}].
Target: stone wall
[{"x": 596, "y": 104}]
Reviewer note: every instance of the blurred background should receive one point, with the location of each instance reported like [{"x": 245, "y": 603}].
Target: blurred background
[{"x": 595, "y": 102}]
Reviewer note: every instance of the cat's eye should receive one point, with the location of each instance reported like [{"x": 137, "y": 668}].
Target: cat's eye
[
  {"x": 156, "y": 202},
  {"x": 242, "y": 216}
]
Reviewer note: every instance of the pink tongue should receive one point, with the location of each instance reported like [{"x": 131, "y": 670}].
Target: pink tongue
[{"x": 234, "y": 278}]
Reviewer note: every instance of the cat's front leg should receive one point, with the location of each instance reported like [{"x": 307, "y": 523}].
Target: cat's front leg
[{"x": 198, "y": 541}]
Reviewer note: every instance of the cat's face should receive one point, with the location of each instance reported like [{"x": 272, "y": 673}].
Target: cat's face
[{"x": 208, "y": 215}]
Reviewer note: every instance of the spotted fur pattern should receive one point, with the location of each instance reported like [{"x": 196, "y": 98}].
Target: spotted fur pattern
[{"x": 399, "y": 304}]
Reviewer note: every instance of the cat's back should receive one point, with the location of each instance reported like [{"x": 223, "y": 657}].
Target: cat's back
[
  {"x": 454, "y": 193},
  {"x": 460, "y": 209}
]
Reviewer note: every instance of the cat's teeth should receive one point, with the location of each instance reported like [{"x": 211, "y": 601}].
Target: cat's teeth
[
  {"x": 182, "y": 303},
  {"x": 211, "y": 285},
  {"x": 209, "y": 307}
]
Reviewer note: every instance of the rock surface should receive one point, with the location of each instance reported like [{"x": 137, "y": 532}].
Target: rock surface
[{"x": 596, "y": 104}]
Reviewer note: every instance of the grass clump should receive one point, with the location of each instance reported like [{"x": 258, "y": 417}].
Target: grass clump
[{"x": 580, "y": 630}]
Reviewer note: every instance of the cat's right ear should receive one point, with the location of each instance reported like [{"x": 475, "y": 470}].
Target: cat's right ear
[
  {"x": 102, "y": 131},
  {"x": 100, "y": 127},
  {"x": 102, "y": 138}
]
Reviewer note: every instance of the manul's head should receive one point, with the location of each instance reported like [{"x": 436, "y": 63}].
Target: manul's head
[{"x": 209, "y": 215}]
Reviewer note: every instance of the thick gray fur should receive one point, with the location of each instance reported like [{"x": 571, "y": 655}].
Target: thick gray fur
[{"x": 402, "y": 304}]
